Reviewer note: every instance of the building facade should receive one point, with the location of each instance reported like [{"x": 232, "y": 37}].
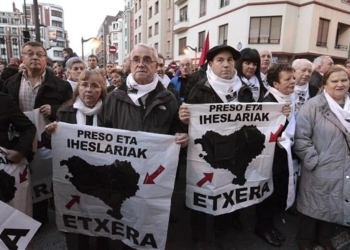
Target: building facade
[{"x": 290, "y": 29}]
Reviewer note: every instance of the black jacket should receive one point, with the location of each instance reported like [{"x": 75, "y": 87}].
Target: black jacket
[
  {"x": 11, "y": 114},
  {"x": 312, "y": 90},
  {"x": 316, "y": 79},
  {"x": 158, "y": 115},
  {"x": 53, "y": 91}
]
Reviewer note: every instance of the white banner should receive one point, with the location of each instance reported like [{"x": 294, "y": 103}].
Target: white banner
[
  {"x": 16, "y": 179},
  {"x": 230, "y": 155},
  {"x": 114, "y": 183},
  {"x": 41, "y": 165},
  {"x": 16, "y": 228}
]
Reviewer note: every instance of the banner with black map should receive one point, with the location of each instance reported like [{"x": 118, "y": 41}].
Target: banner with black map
[
  {"x": 230, "y": 155},
  {"x": 16, "y": 228},
  {"x": 114, "y": 183}
]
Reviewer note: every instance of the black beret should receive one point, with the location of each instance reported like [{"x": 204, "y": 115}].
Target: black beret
[{"x": 217, "y": 49}]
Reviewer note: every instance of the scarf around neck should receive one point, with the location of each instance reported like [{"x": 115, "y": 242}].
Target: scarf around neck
[
  {"x": 343, "y": 114},
  {"x": 227, "y": 90},
  {"x": 165, "y": 80},
  {"x": 136, "y": 91},
  {"x": 83, "y": 111},
  {"x": 300, "y": 95},
  {"x": 254, "y": 85}
]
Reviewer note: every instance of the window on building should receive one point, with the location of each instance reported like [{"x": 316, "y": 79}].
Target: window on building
[
  {"x": 135, "y": 7},
  {"x": 15, "y": 21},
  {"x": 182, "y": 45},
  {"x": 14, "y": 41},
  {"x": 156, "y": 46},
  {"x": 3, "y": 51},
  {"x": 57, "y": 53},
  {"x": 4, "y": 20},
  {"x": 56, "y": 13},
  {"x": 168, "y": 46},
  {"x": 322, "y": 35},
  {"x": 139, "y": 37},
  {"x": 202, "y": 8},
  {"x": 223, "y": 30},
  {"x": 156, "y": 28},
  {"x": 139, "y": 20},
  {"x": 135, "y": 39},
  {"x": 2, "y": 40},
  {"x": 57, "y": 24},
  {"x": 14, "y": 31},
  {"x": 169, "y": 24},
  {"x": 59, "y": 33},
  {"x": 15, "y": 52},
  {"x": 149, "y": 31},
  {"x": 135, "y": 23},
  {"x": 183, "y": 14},
  {"x": 2, "y": 30},
  {"x": 60, "y": 44},
  {"x": 224, "y": 3},
  {"x": 201, "y": 38},
  {"x": 149, "y": 12},
  {"x": 156, "y": 8},
  {"x": 265, "y": 30},
  {"x": 139, "y": 4}
]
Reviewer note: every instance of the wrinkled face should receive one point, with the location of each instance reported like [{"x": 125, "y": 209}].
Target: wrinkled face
[
  {"x": 325, "y": 65},
  {"x": 337, "y": 85},
  {"x": 90, "y": 91},
  {"x": 303, "y": 74},
  {"x": 223, "y": 65},
  {"x": 34, "y": 58},
  {"x": 248, "y": 69},
  {"x": 92, "y": 62},
  {"x": 109, "y": 67},
  {"x": 160, "y": 67},
  {"x": 64, "y": 53},
  {"x": 14, "y": 61},
  {"x": 75, "y": 71},
  {"x": 116, "y": 79},
  {"x": 57, "y": 68},
  {"x": 266, "y": 59},
  {"x": 286, "y": 82},
  {"x": 185, "y": 67},
  {"x": 143, "y": 65}
]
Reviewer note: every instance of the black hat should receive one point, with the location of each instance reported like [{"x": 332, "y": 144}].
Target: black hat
[{"x": 217, "y": 49}]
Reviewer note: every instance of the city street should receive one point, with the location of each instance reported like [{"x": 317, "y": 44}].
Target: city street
[{"x": 180, "y": 232}]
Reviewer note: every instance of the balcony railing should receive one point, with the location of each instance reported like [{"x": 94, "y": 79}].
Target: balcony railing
[
  {"x": 181, "y": 24},
  {"x": 341, "y": 47},
  {"x": 321, "y": 44}
]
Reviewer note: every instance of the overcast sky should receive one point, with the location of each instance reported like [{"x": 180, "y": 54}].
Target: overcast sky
[{"x": 81, "y": 18}]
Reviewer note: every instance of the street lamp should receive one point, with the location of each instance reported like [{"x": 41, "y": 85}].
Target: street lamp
[
  {"x": 195, "y": 49},
  {"x": 86, "y": 40}
]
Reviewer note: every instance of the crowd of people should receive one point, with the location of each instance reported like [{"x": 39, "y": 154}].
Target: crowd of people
[{"x": 315, "y": 94}]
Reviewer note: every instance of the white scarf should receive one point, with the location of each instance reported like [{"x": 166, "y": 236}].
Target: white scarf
[
  {"x": 135, "y": 90},
  {"x": 83, "y": 111},
  {"x": 254, "y": 86},
  {"x": 227, "y": 90},
  {"x": 165, "y": 80},
  {"x": 300, "y": 95},
  {"x": 342, "y": 114},
  {"x": 281, "y": 98},
  {"x": 73, "y": 84}
]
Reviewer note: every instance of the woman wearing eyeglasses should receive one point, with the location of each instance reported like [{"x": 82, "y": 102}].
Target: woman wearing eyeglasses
[{"x": 83, "y": 109}]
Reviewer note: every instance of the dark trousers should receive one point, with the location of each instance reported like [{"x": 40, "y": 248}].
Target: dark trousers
[
  {"x": 311, "y": 231},
  {"x": 76, "y": 241},
  {"x": 199, "y": 222},
  {"x": 266, "y": 210}
]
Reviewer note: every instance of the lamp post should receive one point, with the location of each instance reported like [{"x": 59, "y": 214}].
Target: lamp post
[
  {"x": 82, "y": 45},
  {"x": 195, "y": 49}
]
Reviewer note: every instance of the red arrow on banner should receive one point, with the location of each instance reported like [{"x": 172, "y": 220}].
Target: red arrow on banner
[
  {"x": 23, "y": 176},
  {"x": 76, "y": 199},
  {"x": 273, "y": 136},
  {"x": 149, "y": 179},
  {"x": 207, "y": 177}
]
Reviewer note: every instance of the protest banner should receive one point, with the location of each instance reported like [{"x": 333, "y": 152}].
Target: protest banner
[
  {"x": 16, "y": 228},
  {"x": 230, "y": 155},
  {"x": 41, "y": 165},
  {"x": 114, "y": 183},
  {"x": 15, "y": 184}
]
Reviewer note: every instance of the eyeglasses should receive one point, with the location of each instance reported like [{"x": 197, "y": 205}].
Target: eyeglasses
[
  {"x": 31, "y": 54},
  {"x": 161, "y": 65},
  {"x": 185, "y": 65},
  {"x": 92, "y": 86},
  {"x": 146, "y": 61}
]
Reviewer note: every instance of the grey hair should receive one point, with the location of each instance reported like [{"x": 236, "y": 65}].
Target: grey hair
[
  {"x": 155, "y": 53},
  {"x": 297, "y": 63},
  {"x": 318, "y": 61},
  {"x": 72, "y": 61}
]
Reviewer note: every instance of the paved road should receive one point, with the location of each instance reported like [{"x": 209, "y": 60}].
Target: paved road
[{"x": 179, "y": 233}]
